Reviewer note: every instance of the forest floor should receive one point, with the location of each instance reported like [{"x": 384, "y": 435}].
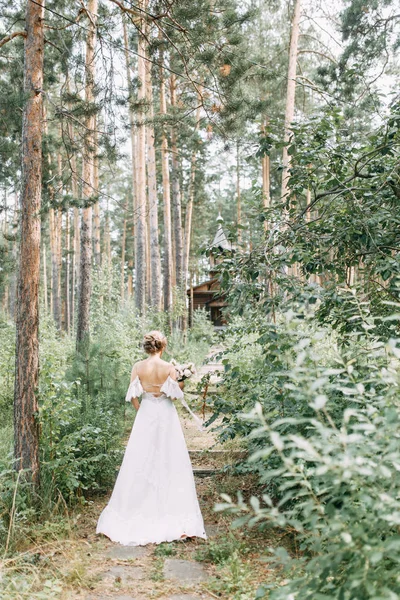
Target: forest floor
[{"x": 229, "y": 564}]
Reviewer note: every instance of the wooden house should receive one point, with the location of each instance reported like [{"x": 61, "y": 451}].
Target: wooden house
[{"x": 207, "y": 295}]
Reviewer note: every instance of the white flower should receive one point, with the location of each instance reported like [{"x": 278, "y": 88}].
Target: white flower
[{"x": 187, "y": 373}]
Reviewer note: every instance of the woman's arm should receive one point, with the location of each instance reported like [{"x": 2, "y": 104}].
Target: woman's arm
[
  {"x": 134, "y": 401},
  {"x": 172, "y": 374}
]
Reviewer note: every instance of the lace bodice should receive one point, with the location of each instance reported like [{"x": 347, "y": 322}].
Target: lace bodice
[{"x": 169, "y": 389}]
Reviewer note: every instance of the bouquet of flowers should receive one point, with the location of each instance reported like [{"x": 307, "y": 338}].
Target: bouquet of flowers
[{"x": 183, "y": 371}]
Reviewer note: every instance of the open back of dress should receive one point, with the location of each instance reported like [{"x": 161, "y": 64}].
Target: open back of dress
[{"x": 154, "y": 499}]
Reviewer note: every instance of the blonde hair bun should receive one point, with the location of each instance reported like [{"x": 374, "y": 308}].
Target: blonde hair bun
[{"x": 154, "y": 342}]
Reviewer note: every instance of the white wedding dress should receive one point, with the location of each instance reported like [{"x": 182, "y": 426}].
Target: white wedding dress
[{"x": 154, "y": 499}]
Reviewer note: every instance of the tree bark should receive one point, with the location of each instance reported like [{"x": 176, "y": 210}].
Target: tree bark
[
  {"x": 189, "y": 207},
  {"x": 88, "y": 182},
  {"x": 166, "y": 199},
  {"x": 141, "y": 208},
  {"x": 76, "y": 238},
  {"x": 176, "y": 196},
  {"x": 123, "y": 246},
  {"x": 67, "y": 302},
  {"x": 133, "y": 154},
  {"x": 6, "y": 294},
  {"x": 55, "y": 234},
  {"x": 45, "y": 292},
  {"x": 266, "y": 181},
  {"x": 76, "y": 255},
  {"x": 26, "y": 425},
  {"x": 290, "y": 95},
  {"x": 155, "y": 261},
  {"x": 56, "y": 256},
  {"x": 13, "y": 278},
  {"x": 96, "y": 206}
]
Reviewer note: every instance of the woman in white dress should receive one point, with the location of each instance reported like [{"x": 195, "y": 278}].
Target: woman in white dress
[{"x": 154, "y": 499}]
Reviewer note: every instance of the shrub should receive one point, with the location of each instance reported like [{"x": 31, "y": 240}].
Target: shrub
[
  {"x": 336, "y": 469},
  {"x": 81, "y": 439}
]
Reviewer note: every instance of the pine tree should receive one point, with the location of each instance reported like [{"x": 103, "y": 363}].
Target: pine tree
[
  {"x": 88, "y": 180},
  {"x": 26, "y": 426}
]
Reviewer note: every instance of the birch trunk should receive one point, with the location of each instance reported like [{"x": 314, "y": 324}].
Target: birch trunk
[
  {"x": 26, "y": 424},
  {"x": 176, "y": 196},
  {"x": 290, "y": 95},
  {"x": 155, "y": 261},
  {"x": 88, "y": 182},
  {"x": 166, "y": 199}
]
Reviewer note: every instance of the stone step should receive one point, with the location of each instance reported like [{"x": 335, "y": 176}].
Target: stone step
[
  {"x": 200, "y": 472},
  {"x": 218, "y": 453}
]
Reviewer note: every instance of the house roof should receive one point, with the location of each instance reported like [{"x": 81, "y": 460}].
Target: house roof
[{"x": 220, "y": 240}]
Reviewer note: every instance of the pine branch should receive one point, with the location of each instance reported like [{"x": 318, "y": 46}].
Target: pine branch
[{"x": 10, "y": 37}]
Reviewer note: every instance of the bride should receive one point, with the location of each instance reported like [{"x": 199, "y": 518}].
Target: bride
[{"x": 154, "y": 498}]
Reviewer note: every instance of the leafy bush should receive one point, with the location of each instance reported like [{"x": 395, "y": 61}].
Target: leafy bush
[
  {"x": 81, "y": 439},
  {"x": 336, "y": 469},
  {"x": 7, "y": 364}
]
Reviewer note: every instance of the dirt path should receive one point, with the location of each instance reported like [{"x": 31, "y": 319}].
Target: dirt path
[
  {"x": 168, "y": 571},
  {"x": 227, "y": 565}
]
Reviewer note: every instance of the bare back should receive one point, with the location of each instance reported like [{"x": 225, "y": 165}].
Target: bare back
[{"x": 153, "y": 372}]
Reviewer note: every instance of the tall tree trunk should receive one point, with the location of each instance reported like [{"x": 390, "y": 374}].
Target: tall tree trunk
[
  {"x": 53, "y": 226},
  {"x": 141, "y": 208},
  {"x": 56, "y": 258},
  {"x": 76, "y": 225},
  {"x": 290, "y": 95},
  {"x": 265, "y": 166},
  {"x": 123, "y": 247},
  {"x": 176, "y": 196},
  {"x": 96, "y": 206},
  {"x": 67, "y": 302},
  {"x": 5, "y": 235},
  {"x": 133, "y": 153},
  {"x": 13, "y": 278},
  {"x": 238, "y": 198},
  {"x": 155, "y": 261},
  {"x": 76, "y": 254},
  {"x": 88, "y": 182},
  {"x": 107, "y": 237},
  {"x": 189, "y": 207},
  {"x": 45, "y": 291},
  {"x": 26, "y": 425},
  {"x": 166, "y": 199}
]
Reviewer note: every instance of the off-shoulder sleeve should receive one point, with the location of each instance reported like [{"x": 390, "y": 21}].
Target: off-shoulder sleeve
[
  {"x": 135, "y": 389},
  {"x": 172, "y": 390}
]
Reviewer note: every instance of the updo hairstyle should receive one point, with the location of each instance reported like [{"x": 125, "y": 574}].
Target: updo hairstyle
[{"x": 154, "y": 341}]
